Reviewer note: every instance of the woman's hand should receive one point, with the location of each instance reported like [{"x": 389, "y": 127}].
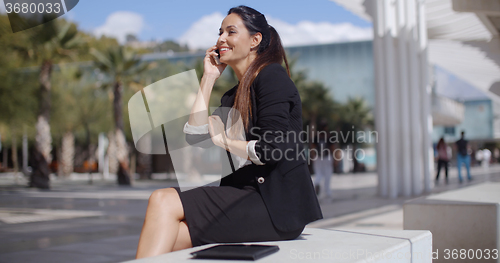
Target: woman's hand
[
  {"x": 210, "y": 66},
  {"x": 217, "y": 131}
]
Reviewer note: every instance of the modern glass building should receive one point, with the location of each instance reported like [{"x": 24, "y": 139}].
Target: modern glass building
[{"x": 345, "y": 68}]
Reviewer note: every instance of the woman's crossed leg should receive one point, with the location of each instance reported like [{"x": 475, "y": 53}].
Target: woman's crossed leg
[{"x": 164, "y": 228}]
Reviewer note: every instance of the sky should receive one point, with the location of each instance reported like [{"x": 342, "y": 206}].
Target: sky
[
  {"x": 196, "y": 22},
  {"x": 451, "y": 86}
]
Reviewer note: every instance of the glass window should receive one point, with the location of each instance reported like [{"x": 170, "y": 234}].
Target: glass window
[{"x": 449, "y": 130}]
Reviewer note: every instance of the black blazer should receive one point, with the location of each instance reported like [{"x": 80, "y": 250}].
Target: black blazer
[{"x": 287, "y": 189}]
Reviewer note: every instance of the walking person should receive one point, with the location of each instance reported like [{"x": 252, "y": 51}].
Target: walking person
[
  {"x": 463, "y": 157},
  {"x": 442, "y": 159},
  {"x": 486, "y": 158},
  {"x": 322, "y": 162},
  {"x": 271, "y": 195}
]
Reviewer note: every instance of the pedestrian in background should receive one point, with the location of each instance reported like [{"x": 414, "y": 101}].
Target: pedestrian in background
[
  {"x": 486, "y": 158},
  {"x": 442, "y": 159},
  {"x": 322, "y": 162},
  {"x": 463, "y": 157}
]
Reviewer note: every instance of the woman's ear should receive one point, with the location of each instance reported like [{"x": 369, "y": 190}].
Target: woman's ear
[{"x": 256, "y": 39}]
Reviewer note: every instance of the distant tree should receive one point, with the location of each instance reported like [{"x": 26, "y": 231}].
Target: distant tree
[
  {"x": 131, "y": 38},
  {"x": 172, "y": 45},
  {"x": 17, "y": 90},
  {"x": 298, "y": 76},
  {"x": 52, "y": 41},
  {"x": 80, "y": 111},
  {"x": 120, "y": 67},
  {"x": 356, "y": 117},
  {"x": 318, "y": 104}
]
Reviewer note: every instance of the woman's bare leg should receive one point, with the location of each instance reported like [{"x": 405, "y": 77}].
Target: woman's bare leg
[
  {"x": 183, "y": 239},
  {"x": 162, "y": 223}
]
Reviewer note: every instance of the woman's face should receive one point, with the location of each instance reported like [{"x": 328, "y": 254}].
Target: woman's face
[{"x": 234, "y": 41}]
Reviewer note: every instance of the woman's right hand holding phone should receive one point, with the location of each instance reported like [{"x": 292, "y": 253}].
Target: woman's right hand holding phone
[
  {"x": 211, "y": 72},
  {"x": 210, "y": 65}
]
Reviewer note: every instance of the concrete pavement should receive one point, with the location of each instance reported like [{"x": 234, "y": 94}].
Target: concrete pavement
[{"x": 101, "y": 222}]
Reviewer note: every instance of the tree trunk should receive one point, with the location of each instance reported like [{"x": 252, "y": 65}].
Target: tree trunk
[
  {"x": 15, "y": 163},
  {"x": 355, "y": 168},
  {"x": 67, "y": 153},
  {"x": 144, "y": 161},
  {"x": 123, "y": 174},
  {"x": 90, "y": 156},
  {"x": 112, "y": 160},
  {"x": 43, "y": 144},
  {"x": 5, "y": 165},
  {"x": 25, "y": 152},
  {"x": 58, "y": 153},
  {"x": 117, "y": 105},
  {"x": 40, "y": 176}
]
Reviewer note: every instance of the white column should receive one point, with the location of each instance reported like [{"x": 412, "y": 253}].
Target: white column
[
  {"x": 404, "y": 99},
  {"x": 402, "y": 111},
  {"x": 380, "y": 98},
  {"x": 415, "y": 101},
  {"x": 391, "y": 91},
  {"x": 425, "y": 90}
]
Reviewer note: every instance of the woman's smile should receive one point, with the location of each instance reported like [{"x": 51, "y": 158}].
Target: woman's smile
[{"x": 223, "y": 50}]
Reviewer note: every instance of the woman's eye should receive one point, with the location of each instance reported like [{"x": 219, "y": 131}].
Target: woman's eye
[{"x": 220, "y": 33}]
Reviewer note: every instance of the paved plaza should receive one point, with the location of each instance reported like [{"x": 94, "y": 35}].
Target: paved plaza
[{"x": 100, "y": 222}]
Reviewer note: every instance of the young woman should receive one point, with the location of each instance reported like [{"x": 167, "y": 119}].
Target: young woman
[
  {"x": 271, "y": 195},
  {"x": 442, "y": 158}
]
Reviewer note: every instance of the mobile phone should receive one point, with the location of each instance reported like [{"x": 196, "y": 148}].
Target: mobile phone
[{"x": 217, "y": 59}]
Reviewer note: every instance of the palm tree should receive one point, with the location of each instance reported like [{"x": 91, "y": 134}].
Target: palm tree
[
  {"x": 78, "y": 109},
  {"x": 64, "y": 114},
  {"x": 356, "y": 116},
  {"x": 51, "y": 41},
  {"x": 317, "y": 103},
  {"x": 15, "y": 89},
  {"x": 299, "y": 77},
  {"x": 120, "y": 66}
]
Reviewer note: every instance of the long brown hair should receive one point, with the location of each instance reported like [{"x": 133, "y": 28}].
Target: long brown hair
[
  {"x": 270, "y": 50},
  {"x": 441, "y": 143}
]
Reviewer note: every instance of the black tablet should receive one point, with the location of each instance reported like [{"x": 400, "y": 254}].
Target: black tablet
[{"x": 235, "y": 251}]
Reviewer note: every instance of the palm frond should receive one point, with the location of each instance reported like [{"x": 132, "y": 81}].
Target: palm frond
[{"x": 101, "y": 60}]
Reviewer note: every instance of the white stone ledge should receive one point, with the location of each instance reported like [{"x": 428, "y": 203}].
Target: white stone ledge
[
  {"x": 330, "y": 245},
  {"x": 464, "y": 219}
]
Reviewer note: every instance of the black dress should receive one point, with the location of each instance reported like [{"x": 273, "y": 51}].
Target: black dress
[
  {"x": 228, "y": 214},
  {"x": 237, "y": 210}
]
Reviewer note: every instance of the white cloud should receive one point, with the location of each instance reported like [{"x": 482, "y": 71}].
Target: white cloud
[
  {"x": 307, "y": 32},
  {"x": 121, "y": 23},
  {"x": 2, "y": 7},
  {"x": 203, "y": 33}
]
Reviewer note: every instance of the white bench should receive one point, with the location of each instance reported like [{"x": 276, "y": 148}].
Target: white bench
[
  {"x": 330, "y": 245},
  {"x": 463, "y": 222}
]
